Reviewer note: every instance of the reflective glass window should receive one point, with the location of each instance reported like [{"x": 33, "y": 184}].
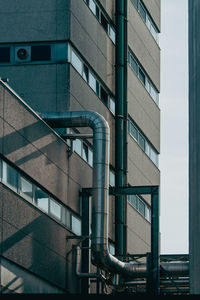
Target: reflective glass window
[
  {"x": 77, "y": 146},
  {"x": 26, "y": 188},
  {"x": 55, "y": 209},
  {"x": 41, "y": 199},
  {"x": 75, "y": 225},
  {"x": 10, "y": 175},
  {"x": 76, "y": 62}
]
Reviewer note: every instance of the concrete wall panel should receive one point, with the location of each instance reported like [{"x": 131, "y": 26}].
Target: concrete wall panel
[{"x": 34, "y": 21}]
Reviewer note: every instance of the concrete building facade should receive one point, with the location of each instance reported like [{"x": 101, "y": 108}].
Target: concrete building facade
[{"x": 59, "y": 55}]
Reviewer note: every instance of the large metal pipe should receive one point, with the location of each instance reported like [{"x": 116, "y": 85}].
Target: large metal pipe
[{"x": 100, "y": 191}]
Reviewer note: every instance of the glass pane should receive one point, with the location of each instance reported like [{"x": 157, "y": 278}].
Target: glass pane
[
  {"x": 97, "y": 12},
  {"x": 154, "y": 156},
  {"x": 76, "y": 225},
  {"x": 55, "y": 209},
  {"x": 142, "y": 76},
  {"x": 141, "y": 207},
  {"x": 77, "y": 146},
  {"x": 111, "y": 249},
  {"x": 142, "y": 11},
  {"x": 133, "y": 200},
  {"x": 112, "y": 105},
  {"x": 141, "y": 141},
  {"x": 90, "y": 157},
  {"x": 147, "y": 213},
  {"x": 112, "y": 178},
  {"x": 134, "y": 64},
  {"x": 9, "y": 175},
  {"x": 42, "y": 199},
  {"x": 112, "y": 34},
  {"x": 104, "y": 96},
  {"x": 92, "y": 82},
  {"x": 135, "y": 2},
  {"x": 104, "y": 22},
  {"x": 133, "y": 130},
  {"x": 85, "y": 152},
  {"x": 85, "y": 73},
  {"x": 26, "y": 188},
  {"x": 76, "y": 62},
  {"x": 92, "y": 6}
]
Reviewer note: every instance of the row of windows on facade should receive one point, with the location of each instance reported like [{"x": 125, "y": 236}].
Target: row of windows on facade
[
  {"x": 62, "y": 52},
  {"x": 20, "y": 184},
  {"x": 141, "y": 206},
  {"x": 38, "y": 197},
  {"x": 146, "y": 18},
  {"x": 102, "y": 18},
  {"x": 142, "y": 142},
  {"x": 86, "y": 152},
  {"x": 92, "y": 80},
  {"x": 141, "y": 74}
]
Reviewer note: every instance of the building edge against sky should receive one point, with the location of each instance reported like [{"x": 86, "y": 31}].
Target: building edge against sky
[{"x": 60, "y": 56}]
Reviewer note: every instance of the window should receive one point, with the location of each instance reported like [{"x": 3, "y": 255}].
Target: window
[
  {"x": 104, "y": 22},
  {"x": 76, "y": 62},
  {"x": 85, "y": 152},
  {"x": 42, "y": 52},
  {"x": 112, "y": 34},
  {"x": 4, "y": 54},
  {"x": 135, "y": 132},
  {"x": 112, "y": 105},
  {"x": 77, "y": 146},
  {"x": 141, "y": 207},
  {"x": 104, "y": 95},
  {"x": 92, "y": 6},
  {"x": 142, "y": 76},
  {"x": 90, "y": 157},
  {"x": 141, "y": 141},
  {"x": 111, "y": 248},
  {"x": 146, "y": 18},
  {"x": 112, "y": 177},
  {"x": 55, "y": 209},
  {"x": 85, "y": 72},
  {"x": 26, "y": 188},
  {"x": 42, "y": 200},
  {"x": 10, "y": 176},
  {"x": 135, "y": 2},
  {"x": 142, "y": 11},
  {"x": 75, "y": 225}
]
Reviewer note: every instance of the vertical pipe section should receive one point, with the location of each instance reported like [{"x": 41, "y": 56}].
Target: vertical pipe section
[
  {"x": 194, "y": 145},
  {"x": 155, "y": 255},
  {"x": 125, "y": 122},
  {"x": 119, "y": 127},
  {"x": 85, "y": 263}
]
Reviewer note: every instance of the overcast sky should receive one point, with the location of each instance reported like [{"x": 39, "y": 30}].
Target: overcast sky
[{"x": 174, "y": 127}]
